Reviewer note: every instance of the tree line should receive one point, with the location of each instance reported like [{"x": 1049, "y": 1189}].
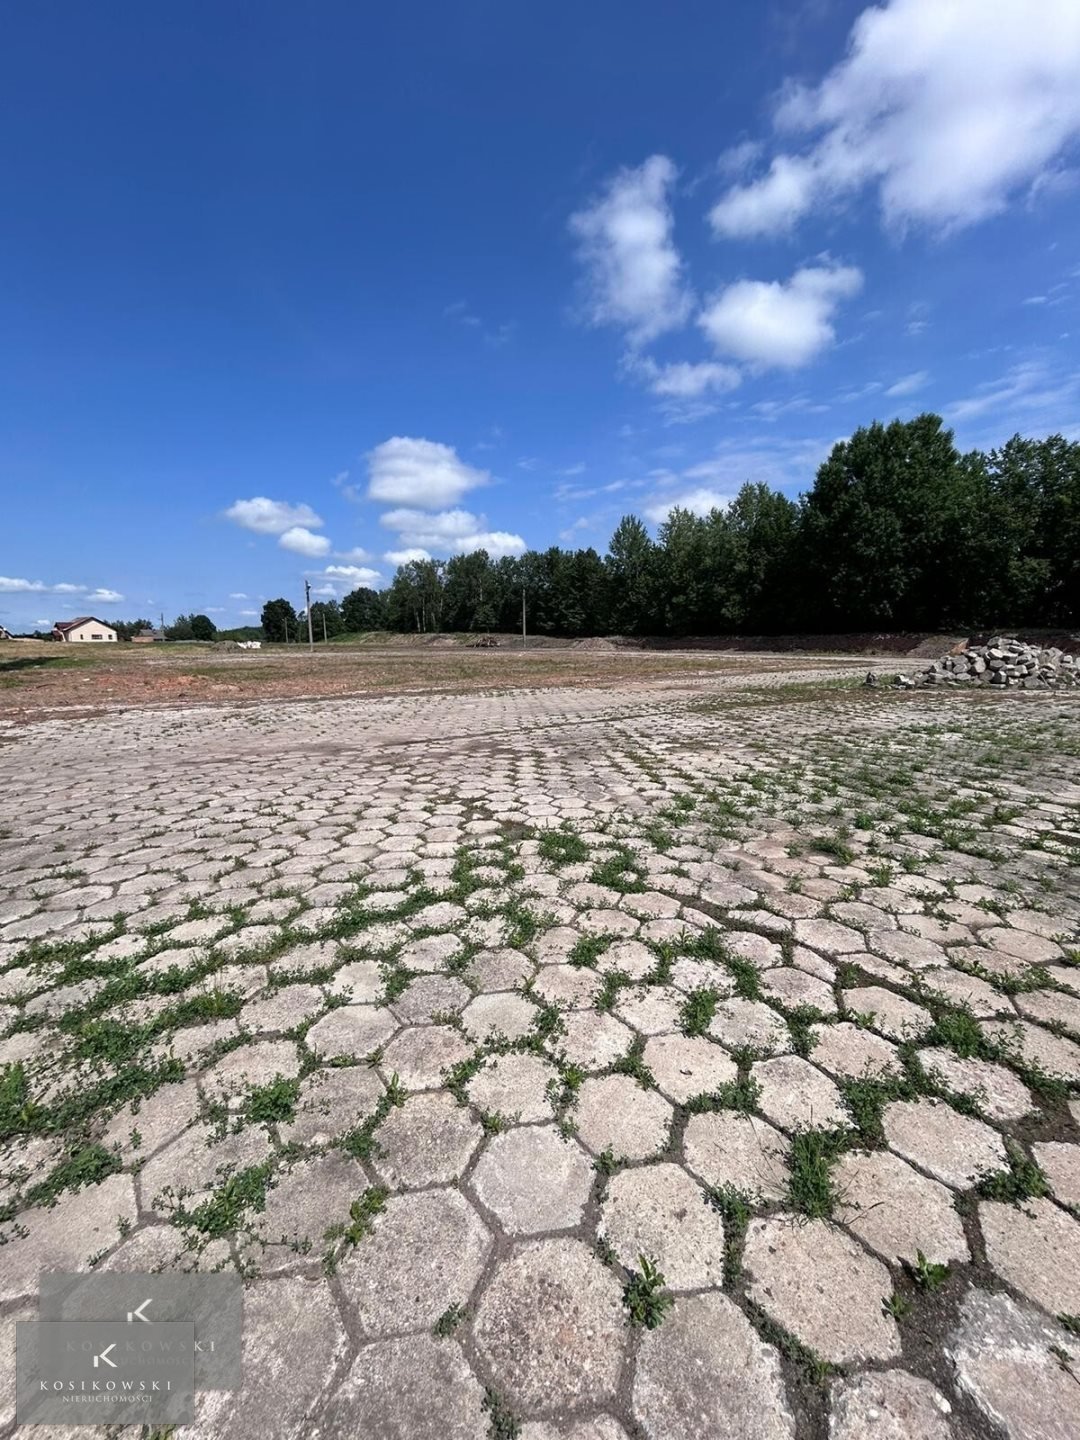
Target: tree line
[{"x": 900, "y": 531}]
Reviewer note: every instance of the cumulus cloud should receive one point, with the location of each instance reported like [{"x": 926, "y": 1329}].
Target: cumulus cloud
[
  {"x": 682, "y": 380},
  {"x": 304, "y": 542},
  {"x": 945, "y": 108},
  {"x": 699, "y": 501},
  {"x": 779, "y": 323},
  {"x": 409, "y": 471},
  {"x": 237, "y": 595},
  {"x": 908, "y": 384},
  {"x": 634, "y": 274},
  {"x": 337, "y": 578},
  {"x": 454, "y": 532},
  {"x": 405, "y": 557},
  {"x": 271, "y": 517},
  {"x": 16, "y": 585},
  {"x": 356, "y": 553}
]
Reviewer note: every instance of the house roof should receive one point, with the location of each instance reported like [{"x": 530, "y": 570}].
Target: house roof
[{"x": 80, "y": 620}]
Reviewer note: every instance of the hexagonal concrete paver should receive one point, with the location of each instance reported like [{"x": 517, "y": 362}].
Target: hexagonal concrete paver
[
  {"x": 895, "y": 1211},
  {"x": 65, "y": 1236},
  {"x": 794, "y": 988},
  {"x": 550, "y": 1327},
  {"x": 660, "y": 1212},
  {"x": 331, "y": 1102},
  {"x": 704, "y": 1373},
  {"x": 750, "y": 1025},
  {"x": 997, "y": 1091},
  {"x": 428, "y": 996},
  {"x": 249, "y": 1066},
  {"x": 304, "y": 1203},
  {"x": 1035, "y": 1248},
  {"x": 651, "y": 1009},
  {"x": 534, "y": 1180},
  {"x": 954, "y": 1148},
  {"x": 515, "y": 1086},
  {"x": 892, "y": 1014},
  {"x": 498, "y": 1013},
  {"x": 728, "y": 1148},
  {"x": 420, "y": 1055},
  {"x": 425, "y": 1253},
  {"x": 849, "y": 1052},
  {"x": 593, "y": 1041},
  {"x": 1061, "y": 1165},
  {"x": 291, "y": 1316},
  {"x": 352, "y": 1030},
  {"x": 796, "y": 1095},
  {"x": 818, "y": 1282},
  {"x": 596, "y": 1427},
  {"x": 614, "y": 1113},
  {"x": 891, "y": 1405},
  {"x": 1018, "y": 1367},
  {"x": 427, "y": 1141},
  {"x": 282, "y": 1009},
  {"x": 688, "y": 1065},
  {"x": 421, "y": 1387}
]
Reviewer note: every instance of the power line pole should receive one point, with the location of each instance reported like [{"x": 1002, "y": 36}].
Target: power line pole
[
  {"x": 307, "y": 602},
  {"x": 323, "y": 612},
  {"x": 524, "y": 642}
]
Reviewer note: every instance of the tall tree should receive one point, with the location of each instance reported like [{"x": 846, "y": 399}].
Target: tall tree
[
  {"x": 632, "y": 564},
  {"x": 363, "y": 609},
  {"x": 278, "y": 621}
]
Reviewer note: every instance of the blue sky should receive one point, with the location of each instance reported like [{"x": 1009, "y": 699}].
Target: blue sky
[{"x": 300, "y": 291}]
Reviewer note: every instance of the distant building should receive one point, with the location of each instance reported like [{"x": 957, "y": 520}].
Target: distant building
[
  {"x": 146, "y": 637},
  {"x": 85, "y": 628}
]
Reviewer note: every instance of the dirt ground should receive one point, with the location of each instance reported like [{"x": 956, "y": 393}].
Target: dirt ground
[{"x": 41, "y": 678}]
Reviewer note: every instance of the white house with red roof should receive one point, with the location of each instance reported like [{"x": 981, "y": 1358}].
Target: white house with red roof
[{"x": 85, "y": 627}]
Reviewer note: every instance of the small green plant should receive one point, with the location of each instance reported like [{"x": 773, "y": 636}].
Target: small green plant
[
  {"x": 736, "y": 1208},
  {"x": 448, "y": 1321},
  {"x": 503, "y": 1424},
  {"x": 928, "y": 1274},
  {"x": 1071, "y": 1323},
  {"x": 1023, "y": 1179},
  {"x": 698, "y": 1011},
  {"x": 633, "y": 1064},
  {"x": 814, "y": 1153},
  {"x": 587, "y": 951},
  {"x": 562, "y": 847},
  {"x": 896, "y": 1306},
  {"x": 273, "y": 1103},
  {"x": 644, "y": 1296},
  {"x": 362, "y": 1212}
]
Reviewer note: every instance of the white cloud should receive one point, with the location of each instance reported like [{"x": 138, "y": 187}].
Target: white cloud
[
  {"x": 779, "y": 323},
  {"x": 337, "y": 579},
  {"x": 634, "y": 272},
  {"x": 908, "y": 384},
  {"x": 249, "y": 612},
  {"x": 215, "y": 609},
  {"x": 699, "y": 501},
  {"x": 303, "y": 542},
  {"x": 408, "y": 471},
  {"x": 403, "y": 557},
  {"x": 455, "y": 532},
  {"x": 271, "y": 517},
  {"x": 356, "y": 553},
  {"x": 945, "y": 107},
  {"x": 237, "y": 595},
  {"x": 684, "y": 381},
  {"x": 1043, "y": 398},
  {"x": 15, "y": 585}
]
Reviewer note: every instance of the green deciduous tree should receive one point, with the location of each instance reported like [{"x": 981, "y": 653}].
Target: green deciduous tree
[{"x": 279, "y": 621}]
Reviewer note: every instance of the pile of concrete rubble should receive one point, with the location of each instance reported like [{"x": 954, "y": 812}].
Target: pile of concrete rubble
[{"x": 1000, "y": 663}]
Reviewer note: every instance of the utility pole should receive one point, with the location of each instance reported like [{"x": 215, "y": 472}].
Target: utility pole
[
  {"x": 324, "y": 625},
  {"x": 524, "y": 642},
  {"x": 307, "y": 603}
]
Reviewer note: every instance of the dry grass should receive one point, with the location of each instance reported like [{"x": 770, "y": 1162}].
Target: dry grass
[{"x": 37, "y": 677}]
